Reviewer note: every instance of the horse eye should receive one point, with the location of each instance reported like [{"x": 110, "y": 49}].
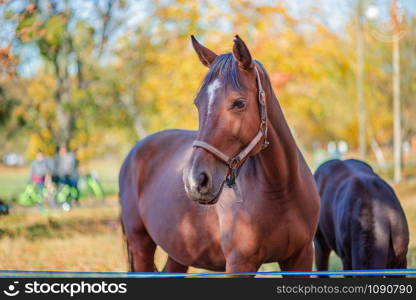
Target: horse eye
[{"x": 239, "y": 104}]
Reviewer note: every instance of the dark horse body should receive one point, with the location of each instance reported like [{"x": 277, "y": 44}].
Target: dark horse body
[
  {"x": 361, "y": 218},
  {"x": 269, "y": 215}
]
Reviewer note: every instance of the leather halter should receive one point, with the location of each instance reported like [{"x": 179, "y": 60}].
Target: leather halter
[{"x": 236, "y": 161}]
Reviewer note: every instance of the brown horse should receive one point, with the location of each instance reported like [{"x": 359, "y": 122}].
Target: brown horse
[
  {"x": 172, "y": 190},
  {"x": 361, "y": 218}
]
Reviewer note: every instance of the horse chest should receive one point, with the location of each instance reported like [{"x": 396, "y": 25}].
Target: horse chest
[{"x": 251, "y": 225}]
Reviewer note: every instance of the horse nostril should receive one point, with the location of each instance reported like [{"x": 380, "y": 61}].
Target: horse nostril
[{"x": 203, "y": 181}]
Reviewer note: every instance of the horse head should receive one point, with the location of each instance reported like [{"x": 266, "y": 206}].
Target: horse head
[{"x": 229, "y": 116}]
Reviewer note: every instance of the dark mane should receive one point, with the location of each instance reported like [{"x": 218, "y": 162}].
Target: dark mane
[{"x": 226, "y": 66}]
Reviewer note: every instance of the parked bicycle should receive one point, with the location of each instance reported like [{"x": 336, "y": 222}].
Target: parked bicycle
[
  {"x": 90, "y": 186},
  {"x": 61, "y": 195}
]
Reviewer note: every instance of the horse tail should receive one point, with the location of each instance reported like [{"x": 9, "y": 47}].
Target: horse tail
[
  {"x": 399, "y": 234},
  {"x": 126, "y": 244}
]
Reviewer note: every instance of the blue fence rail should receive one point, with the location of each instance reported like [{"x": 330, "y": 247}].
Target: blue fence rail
[{"x": 382, "y": 272}]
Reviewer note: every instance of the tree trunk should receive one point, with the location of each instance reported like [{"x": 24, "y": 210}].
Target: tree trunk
[
  {"x": 131, "y": 109},
  {"x": 378, "y": 152},
  {"x": 362, "y": 144},
  {"x": 397, "y": 138},
  {"x": 62, "y": 97}
]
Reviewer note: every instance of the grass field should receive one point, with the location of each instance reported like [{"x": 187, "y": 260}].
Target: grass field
[
  {"x": 89, "y": 238},
  {"x": 84, "y": 239}
]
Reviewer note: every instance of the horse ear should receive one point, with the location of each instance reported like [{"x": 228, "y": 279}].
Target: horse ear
[
  {"x": 242, "y": 54},
  {"x": 205, "y": 55}
]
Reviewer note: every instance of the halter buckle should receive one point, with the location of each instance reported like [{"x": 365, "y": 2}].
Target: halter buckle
[
  {"x": 263, "y": 128},
  {"x": 262, "y": 96}
]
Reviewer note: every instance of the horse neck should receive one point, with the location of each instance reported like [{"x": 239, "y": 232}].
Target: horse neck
[{"x": 280, "y": 160}]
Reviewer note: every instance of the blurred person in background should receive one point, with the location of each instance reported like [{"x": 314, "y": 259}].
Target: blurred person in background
[
  {"x": 66, "y": 169},
  {"x": 40, "y": 169}
]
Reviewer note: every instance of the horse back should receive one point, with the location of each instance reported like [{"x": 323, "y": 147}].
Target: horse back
[{"x": 152, "y": 154}]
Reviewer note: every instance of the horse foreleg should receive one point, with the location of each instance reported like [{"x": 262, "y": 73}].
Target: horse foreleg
[
  {"x": 141, "y": 250},
  {"x": 322, "y": 252},
  {"x": 140, "y": 246},
  {"x": 301, "y": 261},
  {"x": 172, "y": 266},
  {"x": 236, "y": 263}
]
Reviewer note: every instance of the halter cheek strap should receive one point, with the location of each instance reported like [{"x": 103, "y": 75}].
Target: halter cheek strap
[{"x": 236, "y": 161}]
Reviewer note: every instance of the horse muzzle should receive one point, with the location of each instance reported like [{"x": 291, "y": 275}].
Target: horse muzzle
[
  {"x": 199, "y": 189},
  {"x": 203, "y": 181}
]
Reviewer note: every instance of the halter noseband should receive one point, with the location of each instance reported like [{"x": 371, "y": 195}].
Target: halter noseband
[{"x": 235, "y": 162}]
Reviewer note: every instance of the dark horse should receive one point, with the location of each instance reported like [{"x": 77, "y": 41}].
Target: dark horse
[
  {"x": 172, "y": 190},
  {"x": 361, "y": 218}
]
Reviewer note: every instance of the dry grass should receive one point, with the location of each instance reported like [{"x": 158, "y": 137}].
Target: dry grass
[
  {"x": 77, "y": 253},
  {"x": 90, "y": 239},
  {"x": 85, "y": 239}
]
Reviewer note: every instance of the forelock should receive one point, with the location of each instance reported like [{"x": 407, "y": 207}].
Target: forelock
[{"x": 225, "y": 66}]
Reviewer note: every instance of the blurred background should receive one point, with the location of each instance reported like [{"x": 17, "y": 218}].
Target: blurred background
[{"x": 98, "y": 75}]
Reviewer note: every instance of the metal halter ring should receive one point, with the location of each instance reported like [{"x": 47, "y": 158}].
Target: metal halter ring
[{"x": 233, "y": 163}]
